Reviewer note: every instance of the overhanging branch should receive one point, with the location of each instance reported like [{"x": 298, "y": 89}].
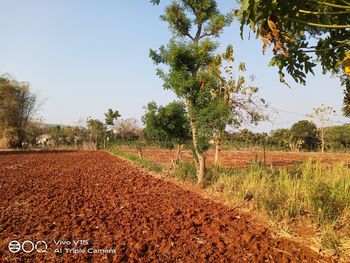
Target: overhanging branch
[{"x": 319, "y": 25}]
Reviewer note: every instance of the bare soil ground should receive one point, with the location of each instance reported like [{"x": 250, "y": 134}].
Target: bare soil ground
[
  {"x": 241, "y": 159},
  {"x": 99, "y": 198}
]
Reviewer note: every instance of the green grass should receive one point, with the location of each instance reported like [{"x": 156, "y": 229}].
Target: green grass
[
  {"x": 143, "y": 163},
  {"x": 186, "y": 171},
  {"x": 309, "y": 188}
]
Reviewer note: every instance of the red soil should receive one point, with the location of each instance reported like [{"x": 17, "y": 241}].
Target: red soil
[
  {"x": 243, "y": 158},
  {"x": 99, "y": 198}
]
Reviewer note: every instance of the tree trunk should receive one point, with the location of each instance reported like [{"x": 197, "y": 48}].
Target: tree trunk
[
  {"x": 96, "y": 141},
  {"x": 201, "y": 171},
  {"x": 322, "y": 140},
  {"x": 217, "y": 152},
  {"x": 199, "y": 157},
  {"x": 178, "y": 153}
]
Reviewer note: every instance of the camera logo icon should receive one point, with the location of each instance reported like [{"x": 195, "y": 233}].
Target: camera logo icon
[
  {"x": 14, "y": 246},
  {"x": 27, "y": 246}
]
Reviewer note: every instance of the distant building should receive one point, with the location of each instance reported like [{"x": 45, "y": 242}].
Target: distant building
[{"x": 45, "y": 140}]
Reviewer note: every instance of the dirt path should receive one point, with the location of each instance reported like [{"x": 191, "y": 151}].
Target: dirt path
[{"x": 107, "y": 203}]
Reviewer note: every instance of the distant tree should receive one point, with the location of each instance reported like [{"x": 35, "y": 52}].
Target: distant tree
[
  {"x": 17, "y": 107},
  {"x": 280, "y": 138},
  {"x": 322, "y": 116},
  {"x": 111, "y": 116},
  {"x": 72, "y": 135},
  {"x": 188, "y": 56},
  {"x": 128, "y": 129},
  {"x": 96, "y": 131},
  {"x": 304, "y": 132},
  {"x": 69, "y": 135},
  {"x": 169, "y": 124},
  {"x": 235, "y": 102},
  {"x": 56, "y": 134},
  {"x": 337, "y": 137},
  {"x": 35, "y": 128}
]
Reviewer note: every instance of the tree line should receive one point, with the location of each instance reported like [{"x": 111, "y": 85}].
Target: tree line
[
  {"x": 166, "y": 126},
  {"x": 301, "y": 136}
]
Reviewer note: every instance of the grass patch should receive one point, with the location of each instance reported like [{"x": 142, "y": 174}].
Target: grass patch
[
  {"x": 310, "y": 189},
  {"x": 186, "y": 171},
  {"x": 143, "y": 163},
  {"x": 314, "y": 189}
]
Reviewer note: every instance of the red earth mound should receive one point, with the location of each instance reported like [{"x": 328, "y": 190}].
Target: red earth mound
[{"x": 117, "y": 213}]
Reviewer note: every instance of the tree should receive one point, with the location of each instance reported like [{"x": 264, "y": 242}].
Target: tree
[
  {"x": 280, "y": 138},
  {"x": 35, "y": 128},
  {"x": 346, "y": 101},
  {"x": 169, "y": 125},
  {"x": 56, "y": 134},
  {"x": 128, "y": 129},
  {"x": 304, "y": 133},
  {"x": 96, "y": 130},
  {"x": 111, "y": 116},
  {"x": 337, "y": 137},
  {"x": 188, "y": 56},
  {"x": 17, "y": 107},
  {"x": 235, "y": 102},
  {"x": 298, "y": 29},
  {"x": 322, "y": 116}
]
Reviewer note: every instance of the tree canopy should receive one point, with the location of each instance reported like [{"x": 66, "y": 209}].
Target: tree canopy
[
  {"x": 17, "y": 107},
  {"x": 96, "y": 131},
  {"x": 111, "y": 116},
  {"x": 305, "y": 132},
  {"x": 166, "y": 124},
  {"x": 297, "y": 30}
]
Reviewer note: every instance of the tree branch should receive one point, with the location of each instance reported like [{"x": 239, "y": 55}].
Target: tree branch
[
  {"x": 319, "y": 25},
  {"x": 330, "y": 4},
  {"x": 326, "y": 49},
  {"x": 345, "y": 2},
  {"x": 323, "y": 13},
  {"x": 189, "y": 35},
  {"x": 206, "y": 35}
]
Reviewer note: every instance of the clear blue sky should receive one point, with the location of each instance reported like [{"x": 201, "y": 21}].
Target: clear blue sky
[{"x": 86, "y": 56}]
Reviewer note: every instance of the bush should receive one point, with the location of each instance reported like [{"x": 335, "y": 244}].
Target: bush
[{"x": 11, "y": 138}]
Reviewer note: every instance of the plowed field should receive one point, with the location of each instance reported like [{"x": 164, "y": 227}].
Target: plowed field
[
  {"x": 241, "y": 159},
  {"x": 116, "y": 213}
]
